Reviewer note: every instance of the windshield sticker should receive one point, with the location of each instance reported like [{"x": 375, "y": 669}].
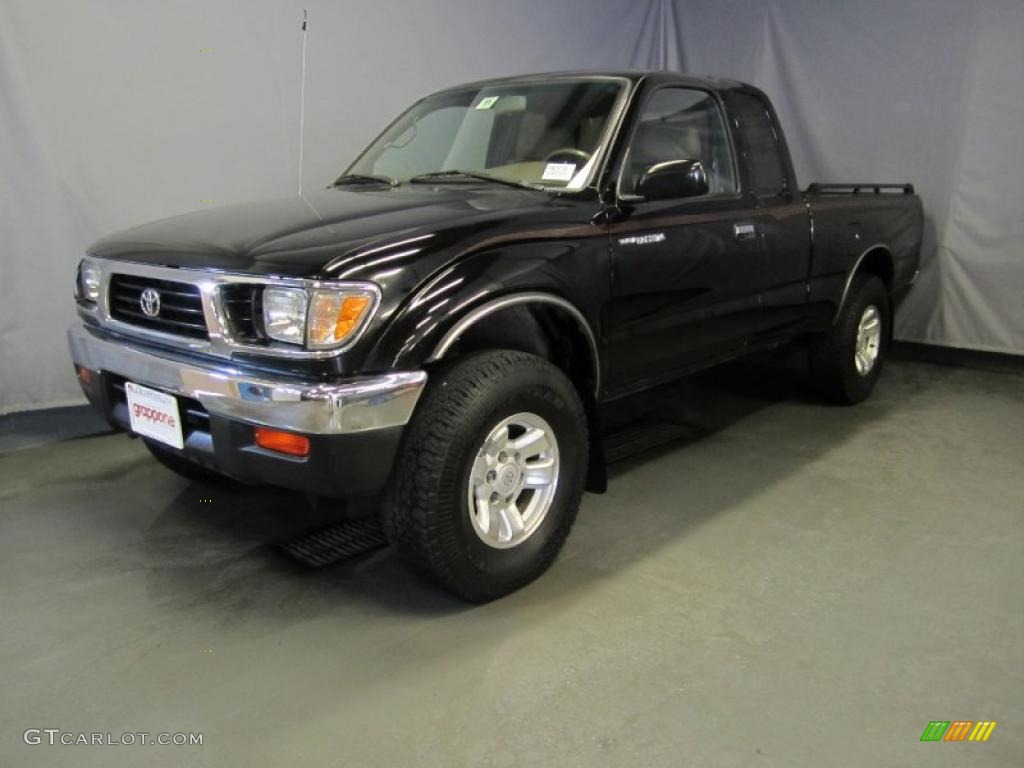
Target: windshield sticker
[
  {"x": 487, "y": 102},
  {"x": 559, "y": 171}
]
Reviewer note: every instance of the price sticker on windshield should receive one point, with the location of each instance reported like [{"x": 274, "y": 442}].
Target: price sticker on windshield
[
  {"x": 487, "y": 102},
  {"x": 559, "y": 171}
]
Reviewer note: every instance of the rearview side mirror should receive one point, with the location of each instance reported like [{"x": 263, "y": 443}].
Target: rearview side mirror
[{"x": 673, "y": 179}]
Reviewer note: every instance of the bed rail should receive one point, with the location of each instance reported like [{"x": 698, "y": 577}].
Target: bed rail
[{"x": 859, "y": 189}]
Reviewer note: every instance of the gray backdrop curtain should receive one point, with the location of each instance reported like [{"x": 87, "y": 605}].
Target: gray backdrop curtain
[{"x": 115, "y": 112}]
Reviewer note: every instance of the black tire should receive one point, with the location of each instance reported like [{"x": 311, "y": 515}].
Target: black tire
[
  {"x": 183, "y": 467},
  {"x": 833, "y": 363},
  {"x": 426, "y": 511}
]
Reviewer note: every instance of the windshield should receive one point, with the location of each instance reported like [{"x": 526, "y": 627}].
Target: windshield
[{"x": 538, "y": 133}]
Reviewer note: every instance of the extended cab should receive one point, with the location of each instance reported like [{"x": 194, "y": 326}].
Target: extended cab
[{"x": 440, "y": 324}]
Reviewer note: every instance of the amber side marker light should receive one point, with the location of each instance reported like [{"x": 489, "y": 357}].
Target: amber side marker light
[
  {"x": 282, "y": 442},
  {"x": 84, "y": 375}
]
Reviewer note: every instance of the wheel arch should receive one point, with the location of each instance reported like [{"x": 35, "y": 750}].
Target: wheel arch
[
  {"x": 565, "y": 313},
  {"x": 875, "y": 260}
]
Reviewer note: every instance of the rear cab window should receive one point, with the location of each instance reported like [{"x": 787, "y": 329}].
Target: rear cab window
[{"x": 757, "y": 143}]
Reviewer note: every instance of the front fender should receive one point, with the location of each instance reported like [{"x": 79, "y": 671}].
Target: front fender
[{"x": 572, "y": 273}]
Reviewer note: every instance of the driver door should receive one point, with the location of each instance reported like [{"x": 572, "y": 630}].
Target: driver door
[{"x": 686, "y": 271}]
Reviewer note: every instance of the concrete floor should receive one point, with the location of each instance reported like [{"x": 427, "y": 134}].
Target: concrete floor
[{"x": 791, "y": 585}]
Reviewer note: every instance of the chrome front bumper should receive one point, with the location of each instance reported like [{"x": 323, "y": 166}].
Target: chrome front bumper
[{"x": 354, "y": 405}]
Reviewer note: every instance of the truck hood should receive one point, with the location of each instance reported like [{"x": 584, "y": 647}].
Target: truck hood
[{"x": 301, "y": 235}]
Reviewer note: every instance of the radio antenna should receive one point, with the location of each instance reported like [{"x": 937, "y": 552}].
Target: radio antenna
[{"x": 302, "y": 96}]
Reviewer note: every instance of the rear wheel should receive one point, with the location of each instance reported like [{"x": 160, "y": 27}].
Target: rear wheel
[
  {"x": 846, "y": 360},
  {"x": 490, "y": 474}
]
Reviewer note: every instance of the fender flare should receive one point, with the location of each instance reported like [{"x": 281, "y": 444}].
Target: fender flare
[
  {"x": 510, "y": 300},
  {"x": 853, "y": 273}
]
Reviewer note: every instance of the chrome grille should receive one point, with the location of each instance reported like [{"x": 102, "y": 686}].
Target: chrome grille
[
  {"x": 231, "y": 303},
  {"x": 181, "y": 305}
]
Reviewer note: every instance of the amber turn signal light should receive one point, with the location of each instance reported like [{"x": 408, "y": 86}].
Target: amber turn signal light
[
  {"x": 352, "y": 309},
  {"x": 282, "y": 442},
  {"x": 84, "y": 375},
  {"x": 335, "y": 316}
]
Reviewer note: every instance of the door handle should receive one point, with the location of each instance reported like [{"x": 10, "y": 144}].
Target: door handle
[{"x": 744, "y": 231}]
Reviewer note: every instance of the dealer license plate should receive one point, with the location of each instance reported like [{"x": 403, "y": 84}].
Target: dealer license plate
[{"x": 154, "y": 414}]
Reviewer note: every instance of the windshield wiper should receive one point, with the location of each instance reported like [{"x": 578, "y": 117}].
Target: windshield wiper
[
  {"x": 364, "y": 178},
  {"x": 476, "y": 175}
]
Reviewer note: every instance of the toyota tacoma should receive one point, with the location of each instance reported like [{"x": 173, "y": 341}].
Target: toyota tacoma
[{"x": 439, "y": 326}]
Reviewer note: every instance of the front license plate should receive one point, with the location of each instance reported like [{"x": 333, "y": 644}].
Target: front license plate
[{"x": 154, "y": 414}]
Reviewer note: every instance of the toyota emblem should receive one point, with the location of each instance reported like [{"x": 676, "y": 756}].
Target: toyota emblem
[{"x": 150, "y": 302}]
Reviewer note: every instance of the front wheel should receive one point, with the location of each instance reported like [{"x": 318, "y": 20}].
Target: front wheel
[
  {"x": 846, "y": 360},
  {"x": 490, "y": 474}
]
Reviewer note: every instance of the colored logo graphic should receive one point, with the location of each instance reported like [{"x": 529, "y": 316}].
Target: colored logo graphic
[{"x": 958, "y": 730}]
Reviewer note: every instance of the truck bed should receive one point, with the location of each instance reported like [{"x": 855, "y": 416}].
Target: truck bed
[{"x": 852, "y": 221}]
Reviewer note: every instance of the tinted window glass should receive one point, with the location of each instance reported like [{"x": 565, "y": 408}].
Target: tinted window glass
[
  {"x": 416, "y": 149},
  {"x": 547, "y": 133},
  {"x": 757, "y": 144},
  {"x": 681, "y": 124}
]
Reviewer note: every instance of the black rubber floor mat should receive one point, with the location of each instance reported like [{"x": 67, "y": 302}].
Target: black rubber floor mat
[{"x": 336, "y": 543}]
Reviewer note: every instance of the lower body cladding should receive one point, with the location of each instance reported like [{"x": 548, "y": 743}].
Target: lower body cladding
[{"x": 350, "y": 430}]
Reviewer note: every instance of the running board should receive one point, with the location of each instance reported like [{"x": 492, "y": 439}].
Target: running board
[{"x": 643, "y": 437}]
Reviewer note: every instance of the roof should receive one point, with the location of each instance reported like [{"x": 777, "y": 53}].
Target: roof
[{"x": 708, "y": 82}]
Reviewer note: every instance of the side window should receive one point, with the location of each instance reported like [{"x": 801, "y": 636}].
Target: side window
[
  {"x": 757, "y": 143},
  {"x": 680, "y": 124}
]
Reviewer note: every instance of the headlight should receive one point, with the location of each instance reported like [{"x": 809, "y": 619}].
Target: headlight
[
  {"x": 322, "y": 318},
  {"x": 284, "y": 314},
  {"x": 88, "y": 281}
]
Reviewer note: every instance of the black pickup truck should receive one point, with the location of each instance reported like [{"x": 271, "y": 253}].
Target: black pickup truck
[{"x": 439, "y": 326}]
